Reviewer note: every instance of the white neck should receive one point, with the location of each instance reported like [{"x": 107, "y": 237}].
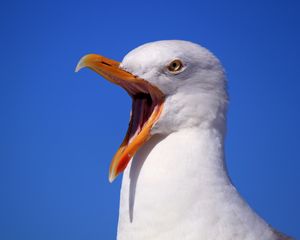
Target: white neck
[{"x": 177, "y": 187}]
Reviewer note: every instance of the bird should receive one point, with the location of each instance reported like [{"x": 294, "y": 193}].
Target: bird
[{"x": 175, "y": 181}]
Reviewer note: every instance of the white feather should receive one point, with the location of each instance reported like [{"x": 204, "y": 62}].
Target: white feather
[{"x": 176, "y": 186}]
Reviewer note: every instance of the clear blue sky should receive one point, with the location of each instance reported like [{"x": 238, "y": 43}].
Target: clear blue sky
[{"x": 59, "y": 130}]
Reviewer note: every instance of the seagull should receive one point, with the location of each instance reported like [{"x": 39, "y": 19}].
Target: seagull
[{"x": 175, "y": 182}]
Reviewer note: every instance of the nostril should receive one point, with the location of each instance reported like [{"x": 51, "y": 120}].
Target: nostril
[{"x": 105, "y": 63}]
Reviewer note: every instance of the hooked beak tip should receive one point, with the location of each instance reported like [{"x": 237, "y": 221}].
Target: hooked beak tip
[{"x": 79, "y": 65}]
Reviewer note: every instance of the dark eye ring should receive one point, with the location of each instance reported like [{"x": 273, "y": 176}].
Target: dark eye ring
[{"x": 175, "y": 66}]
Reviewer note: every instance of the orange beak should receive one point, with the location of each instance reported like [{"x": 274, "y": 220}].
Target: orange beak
[{"x": 147, "y": 104}]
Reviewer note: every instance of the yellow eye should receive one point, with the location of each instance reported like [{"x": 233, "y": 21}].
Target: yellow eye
[{"x": 175, "y": 66}]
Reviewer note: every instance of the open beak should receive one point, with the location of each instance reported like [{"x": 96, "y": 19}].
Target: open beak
[{"x": 147, "y": 104}]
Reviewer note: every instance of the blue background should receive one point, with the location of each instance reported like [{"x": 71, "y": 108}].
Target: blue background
[{"x": 59, "y": 130}]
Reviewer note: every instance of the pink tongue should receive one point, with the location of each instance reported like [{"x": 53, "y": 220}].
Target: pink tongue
[{"x": 141, "y": 111}]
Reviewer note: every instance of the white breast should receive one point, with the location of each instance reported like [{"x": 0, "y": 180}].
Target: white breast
[{"x": 177, "y": 188}]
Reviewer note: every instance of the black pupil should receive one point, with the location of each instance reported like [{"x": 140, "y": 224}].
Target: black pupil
[{"x": 175, "y": 66}]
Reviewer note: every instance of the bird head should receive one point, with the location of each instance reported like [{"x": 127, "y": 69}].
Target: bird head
[{"x": 173, "y": 84}]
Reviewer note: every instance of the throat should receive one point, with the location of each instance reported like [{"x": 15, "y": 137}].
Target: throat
[
  {"x": 171, "y": 174},
  {"x": 178, "y": 184}
]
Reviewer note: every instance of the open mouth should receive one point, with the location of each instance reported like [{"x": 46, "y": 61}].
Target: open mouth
[
  {"x": 147, "y": 105},
  {"x": 142, "y": 108}
]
